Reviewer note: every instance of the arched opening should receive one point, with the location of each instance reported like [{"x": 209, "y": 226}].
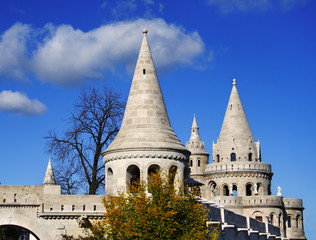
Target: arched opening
[
  {"x": 259, "y": 189},
  {"x": 233, "y": 157},
  {"x": 213, "y": 188},
  {"x": 289, "y": 225},
  {"x": 257, "y": 215},
  {"x": 153, "y": 169},
  {"x": 191, "y": 163},
  {"x": 217, "y": 158},
  {"x": 109, "y": 180},
  {"x": 133, "y": 175},
  {"x": 269, "y": 189},
  {"x": 250, "y": 157},
  {"x": 248, "y": 189},
  {"x": 225, "y": 190},
  {"x": 235, "y": 190},
  {"x": 16, "y": 232},
  {"x": 280, "y": 220},
  {"x": 298, "y": 221},
  {"x": 172, "y": 173},
  {"x": 199, "y": 162},
  {"x": 271, "y": 218}
]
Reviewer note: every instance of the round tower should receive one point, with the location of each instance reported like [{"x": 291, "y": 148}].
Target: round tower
[
  {"x": 237, "y": 169},
  {"x": 146, "y": 141}
]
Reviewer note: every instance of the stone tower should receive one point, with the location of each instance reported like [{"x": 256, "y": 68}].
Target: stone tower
[
  {"x": 199, "y": 157},
  {"x": 146, "y": 141},
  {"x": 237, "y": 166},
  {"x": 238, "y": 180}
]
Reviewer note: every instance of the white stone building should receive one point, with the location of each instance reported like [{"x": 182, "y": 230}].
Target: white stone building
[
  {"x": 237, "y": 178},
  {"x": 145, "y": 143}
]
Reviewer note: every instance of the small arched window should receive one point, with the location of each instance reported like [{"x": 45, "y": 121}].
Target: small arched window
[
  {"x": 289, "y": 222},
  {"x": 233, "y": 157},
  {"x": 269, "y": 189},
  {"x": 217, "y": 158},
  {"x": 172, "y": 173},
  {"x": 191, "y": 163},
  {"x": 225, "y": 190},
  {"x": 144, "y": 71},
  {"x": 235, "y": 190},
  {"x": 199, "y": 162},
  {"x": 250, "y": 157},
  {"x": 249, "y": 189},
  {"x": 298, "y": 219},
  {"x": 133, "y": 175}
]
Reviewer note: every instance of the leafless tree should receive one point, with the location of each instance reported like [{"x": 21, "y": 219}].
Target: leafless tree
[{"x": 77, "y": 154}]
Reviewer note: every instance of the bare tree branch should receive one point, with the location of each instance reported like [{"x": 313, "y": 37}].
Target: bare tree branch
[{"x": 93, "y": 125}]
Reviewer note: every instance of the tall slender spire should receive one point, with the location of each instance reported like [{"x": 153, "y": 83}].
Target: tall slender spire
[
  {"x": 195, "y": 145},
  {"x": 145, "y": 123},
  {"x": 49, "y": 176},
  {"x": 235, "y": 136}
]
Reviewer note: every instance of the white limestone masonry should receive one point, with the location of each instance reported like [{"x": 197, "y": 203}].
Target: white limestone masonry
[{"x": 235, "y": 186}]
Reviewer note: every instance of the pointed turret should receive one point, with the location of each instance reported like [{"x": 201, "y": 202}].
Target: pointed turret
[
  {"x": 199, "y": 157},
  {"x": 235, "y": 142},
  {"x": 195, "y": 145},
  {"x": 145, "y": 123},
  {"x": 49, "y": 176},
  {"x": 146, "y": 142}
]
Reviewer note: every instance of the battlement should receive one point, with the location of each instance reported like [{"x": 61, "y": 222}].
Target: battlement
[{"x": 230, "y": 167}]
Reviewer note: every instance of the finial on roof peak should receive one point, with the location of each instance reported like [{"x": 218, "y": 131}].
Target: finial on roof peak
[
  {"x": 234, "y": 81},
  {"x": 145, "y": 31}
]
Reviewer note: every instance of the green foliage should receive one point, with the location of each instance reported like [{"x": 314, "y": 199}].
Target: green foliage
[{"x": 152, "y": 210}]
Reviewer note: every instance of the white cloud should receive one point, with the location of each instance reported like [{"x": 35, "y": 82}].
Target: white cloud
[
  {"x": 13, "y": 61},
  {"x": 226, "y": 6},
  {"x": 69, "y": 56},
  {"x": 20, "y": 103}
]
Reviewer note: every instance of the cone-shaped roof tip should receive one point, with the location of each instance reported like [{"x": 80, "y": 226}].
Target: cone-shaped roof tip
[
  {"x": 195, "y": 145},
  {"x": 235, "y": 121},
  {"x": 145, "y": 123},
  {"x": 194, "y": 124},
  {"x": 49, "y": 176}
]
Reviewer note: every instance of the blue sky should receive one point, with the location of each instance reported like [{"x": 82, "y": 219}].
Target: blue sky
[{"x": 49, "y": 50}]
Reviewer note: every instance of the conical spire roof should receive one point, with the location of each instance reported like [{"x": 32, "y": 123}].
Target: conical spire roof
[
  {"x": 145, "y": 123},
  {"x": 235, "y": 122},
  {"x": 195, "y": 131},
  {"x": 235, "y": 136},
  {"x": 49, "y": 176},
  {"x": 195, "y": 145}
]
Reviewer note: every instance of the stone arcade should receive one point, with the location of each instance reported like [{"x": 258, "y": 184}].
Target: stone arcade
[{"x": 235, "y": 187}]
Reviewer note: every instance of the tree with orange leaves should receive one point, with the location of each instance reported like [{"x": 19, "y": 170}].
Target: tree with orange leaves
[{"x": 152, "y": 210}]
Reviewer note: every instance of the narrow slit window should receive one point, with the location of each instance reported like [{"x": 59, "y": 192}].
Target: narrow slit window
[
  {"x": 233, "y": 157},
  {"x": 144, "y": 71}
]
